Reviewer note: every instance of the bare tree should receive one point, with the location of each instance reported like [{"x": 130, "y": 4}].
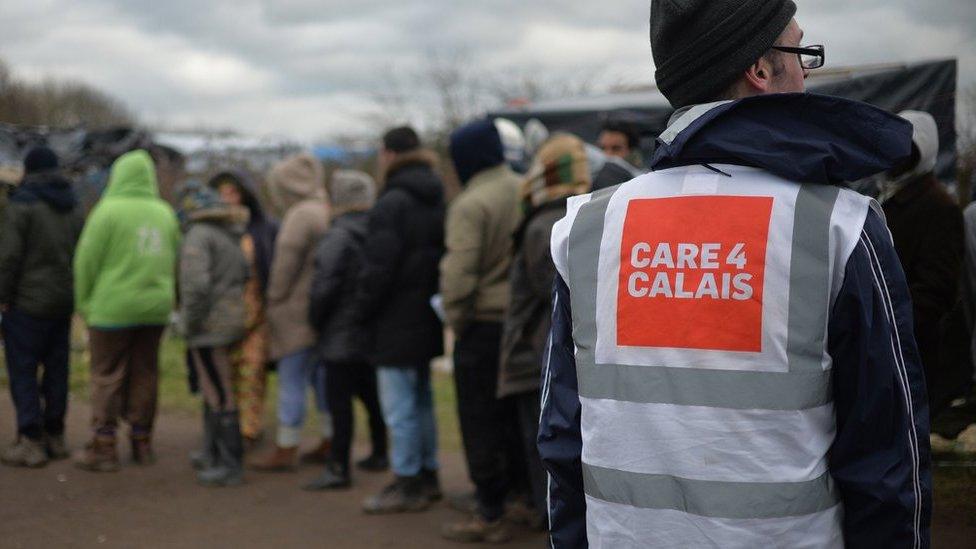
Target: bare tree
[{"x": 58, "y": 103}]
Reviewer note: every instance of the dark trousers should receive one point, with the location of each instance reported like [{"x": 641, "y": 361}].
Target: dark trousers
[
  {"x": 214, "y": 376},
  {"x": 343, "y": 380},
  {"x": 29, "y": 342},
  {"x": 124, "y": 377},
  {"x": 488, "y": 424},
  {"x": 529, "y": 405}
]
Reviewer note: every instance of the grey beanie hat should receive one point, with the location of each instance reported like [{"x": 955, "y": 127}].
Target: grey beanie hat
[
  {"x": 352, "y": 189},
  {"x": 700, "y": 47}
]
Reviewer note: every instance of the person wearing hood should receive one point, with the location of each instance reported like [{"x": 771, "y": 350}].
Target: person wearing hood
[
  {"x": 125, "y": 290},
  {"x": 731, "y": 359},
  {"x": 404, "y": 242},
  {"x": 475, "y": 291},
  {"x": 37, "y": 242},
  {"x": 342, "y": 342},
  {"x": 926, "y": 224},
  {"x": 250, "y": 356},
  {"x": 212, "y": 274},
  {"x": 560, "y": 170},
  {"x": 296, "y": 186}
]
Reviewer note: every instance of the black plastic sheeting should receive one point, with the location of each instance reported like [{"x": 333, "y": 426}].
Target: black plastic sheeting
[{"x": 929, "y": 86}]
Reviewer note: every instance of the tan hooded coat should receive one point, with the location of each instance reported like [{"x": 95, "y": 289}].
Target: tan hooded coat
[{"x": 296, "y": 186}]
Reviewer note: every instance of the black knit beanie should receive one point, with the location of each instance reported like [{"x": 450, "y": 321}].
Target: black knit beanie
[
  {"x": 40, "y": 159},
  {"x": 700, "y": 47}
]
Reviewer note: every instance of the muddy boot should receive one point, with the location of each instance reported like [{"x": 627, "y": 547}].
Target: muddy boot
[
  {"x": 25, "y": 452},
  {"x": 56, "y": 447},
  {"x": 477, "y": 530},
  {"x": 319, "y": 455},
  {"x": 404, "y": 495},
  {"x": 279, "y": 460},
  {"x": 99, "y": 455},
  {"x": 228, "y": 468},
  {"x": 206, "y": 456},
  {"x": 142, "y": 450},
  {"x": 335, "y": 477}
]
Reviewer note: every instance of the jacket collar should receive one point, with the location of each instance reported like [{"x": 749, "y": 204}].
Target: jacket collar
[{"x": 802, "y": 137}]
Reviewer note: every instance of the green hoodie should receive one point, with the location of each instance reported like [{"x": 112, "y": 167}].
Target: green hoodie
[{"x": 125, "y": 264}]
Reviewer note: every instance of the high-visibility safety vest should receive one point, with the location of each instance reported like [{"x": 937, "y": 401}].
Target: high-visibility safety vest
[{"x": 700, "y": 303}]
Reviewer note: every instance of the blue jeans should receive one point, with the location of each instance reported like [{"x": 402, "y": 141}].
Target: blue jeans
[
  {"x": 408, "y": 407},
  {"x": 296, "y": 372},
  {"x": 29, "y": 342}
]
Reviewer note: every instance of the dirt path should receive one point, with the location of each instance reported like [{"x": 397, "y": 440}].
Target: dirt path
[{"x": 160, "y": 506}]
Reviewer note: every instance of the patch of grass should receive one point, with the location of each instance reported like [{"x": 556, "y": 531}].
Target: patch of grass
[{"x": 175, "y": 396}]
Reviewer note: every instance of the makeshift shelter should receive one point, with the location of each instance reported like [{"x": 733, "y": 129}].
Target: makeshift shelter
[{"x": 927, "y": 86}]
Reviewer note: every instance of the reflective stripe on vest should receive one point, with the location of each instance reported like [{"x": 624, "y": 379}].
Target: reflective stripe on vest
[{"x": 730, "y": 431}]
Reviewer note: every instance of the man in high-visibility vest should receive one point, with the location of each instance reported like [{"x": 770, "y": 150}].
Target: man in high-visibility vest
[{"x": 731, "y": 361}]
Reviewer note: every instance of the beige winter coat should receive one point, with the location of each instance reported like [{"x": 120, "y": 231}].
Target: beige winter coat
[
  {"x": 478, "y": 236},
  {"x": 296, "y": 186}
]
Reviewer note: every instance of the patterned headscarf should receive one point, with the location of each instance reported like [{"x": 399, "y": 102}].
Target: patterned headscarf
[{"x": 560, "y": 169}]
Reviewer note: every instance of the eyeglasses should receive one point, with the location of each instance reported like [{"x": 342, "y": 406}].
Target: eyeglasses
[{"x": 811, "y": 57}]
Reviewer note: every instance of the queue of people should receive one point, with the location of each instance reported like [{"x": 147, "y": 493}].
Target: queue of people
[{"x": 577, "y": 392}]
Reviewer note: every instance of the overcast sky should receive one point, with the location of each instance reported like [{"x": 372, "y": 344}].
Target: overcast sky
[{"x": 311, "y": 68}]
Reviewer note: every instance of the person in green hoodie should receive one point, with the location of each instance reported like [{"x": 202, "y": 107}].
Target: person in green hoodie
[{"x": 124, "y": 275}]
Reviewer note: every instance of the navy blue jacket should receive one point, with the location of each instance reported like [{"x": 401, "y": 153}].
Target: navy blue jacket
[{"x": 880, "y": 456}]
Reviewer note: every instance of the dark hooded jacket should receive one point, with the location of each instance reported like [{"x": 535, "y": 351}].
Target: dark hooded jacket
[
  {"x": 262, "y": 228},
  {"x": 927, "y": 227},
  {"x": 332, "y": 299},
  {"x": 879, "y": 460},
  {"x": 404, "y": 244},
  {"x": 41, "y": 226}
]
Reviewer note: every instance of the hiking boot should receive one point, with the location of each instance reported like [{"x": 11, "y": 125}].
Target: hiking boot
[
  {"x": 25, "y": 453},
  {"x": 520, "y": 512},
  {"x": 319, "y": 455},
  {"x": 333, "y": 478},
  {"x": 99, "y": 456},
  {"x": 56, "y": 447},
  {"x": 430, "y": 485},
  {"x": 465, "y": 503},
  {"x": 404, "y": 495},
  {"x": 279, "y": 460},
  {"x": 142, "y": 450},
  {"x": 374, "y": 464},
  {"x": 477, "y": 530}
]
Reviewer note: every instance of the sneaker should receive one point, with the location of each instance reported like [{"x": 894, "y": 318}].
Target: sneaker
[
  {"x": 56, "y": 447},
  {"x": 431, "y": 485},
  {"x": 142, "y": 450},
  {"x": 404, "y": 495},
  {"x": 25, "y": 453},
  {"x": 477, "y": 530},
  {"x": 318, "y": 455},
  {"x": 220, "y": 476},
  {"x": 374, "y": 464},
  {"x": 333, "y": 478},
  {"x": 99, "y": 456},
  {"x": 281, "y": 459}
]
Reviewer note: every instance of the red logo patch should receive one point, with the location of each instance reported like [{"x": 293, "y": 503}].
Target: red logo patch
[{"x": 691, "y": 273}]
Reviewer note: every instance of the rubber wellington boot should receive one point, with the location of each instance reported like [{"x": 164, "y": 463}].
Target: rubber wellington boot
[{"x": 228, "y": 470}]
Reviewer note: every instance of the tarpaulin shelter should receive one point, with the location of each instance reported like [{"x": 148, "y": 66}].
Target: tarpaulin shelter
[{"x": 926, "y": 86}]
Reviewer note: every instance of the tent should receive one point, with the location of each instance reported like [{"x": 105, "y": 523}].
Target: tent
[{"x": 927, "y": 86}]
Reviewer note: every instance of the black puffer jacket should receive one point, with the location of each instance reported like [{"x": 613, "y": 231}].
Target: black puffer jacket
[
  {"x": 40, "y": 229},
  {"x": 404, "y": 245},
  {"x": 332, "y": 299}
]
